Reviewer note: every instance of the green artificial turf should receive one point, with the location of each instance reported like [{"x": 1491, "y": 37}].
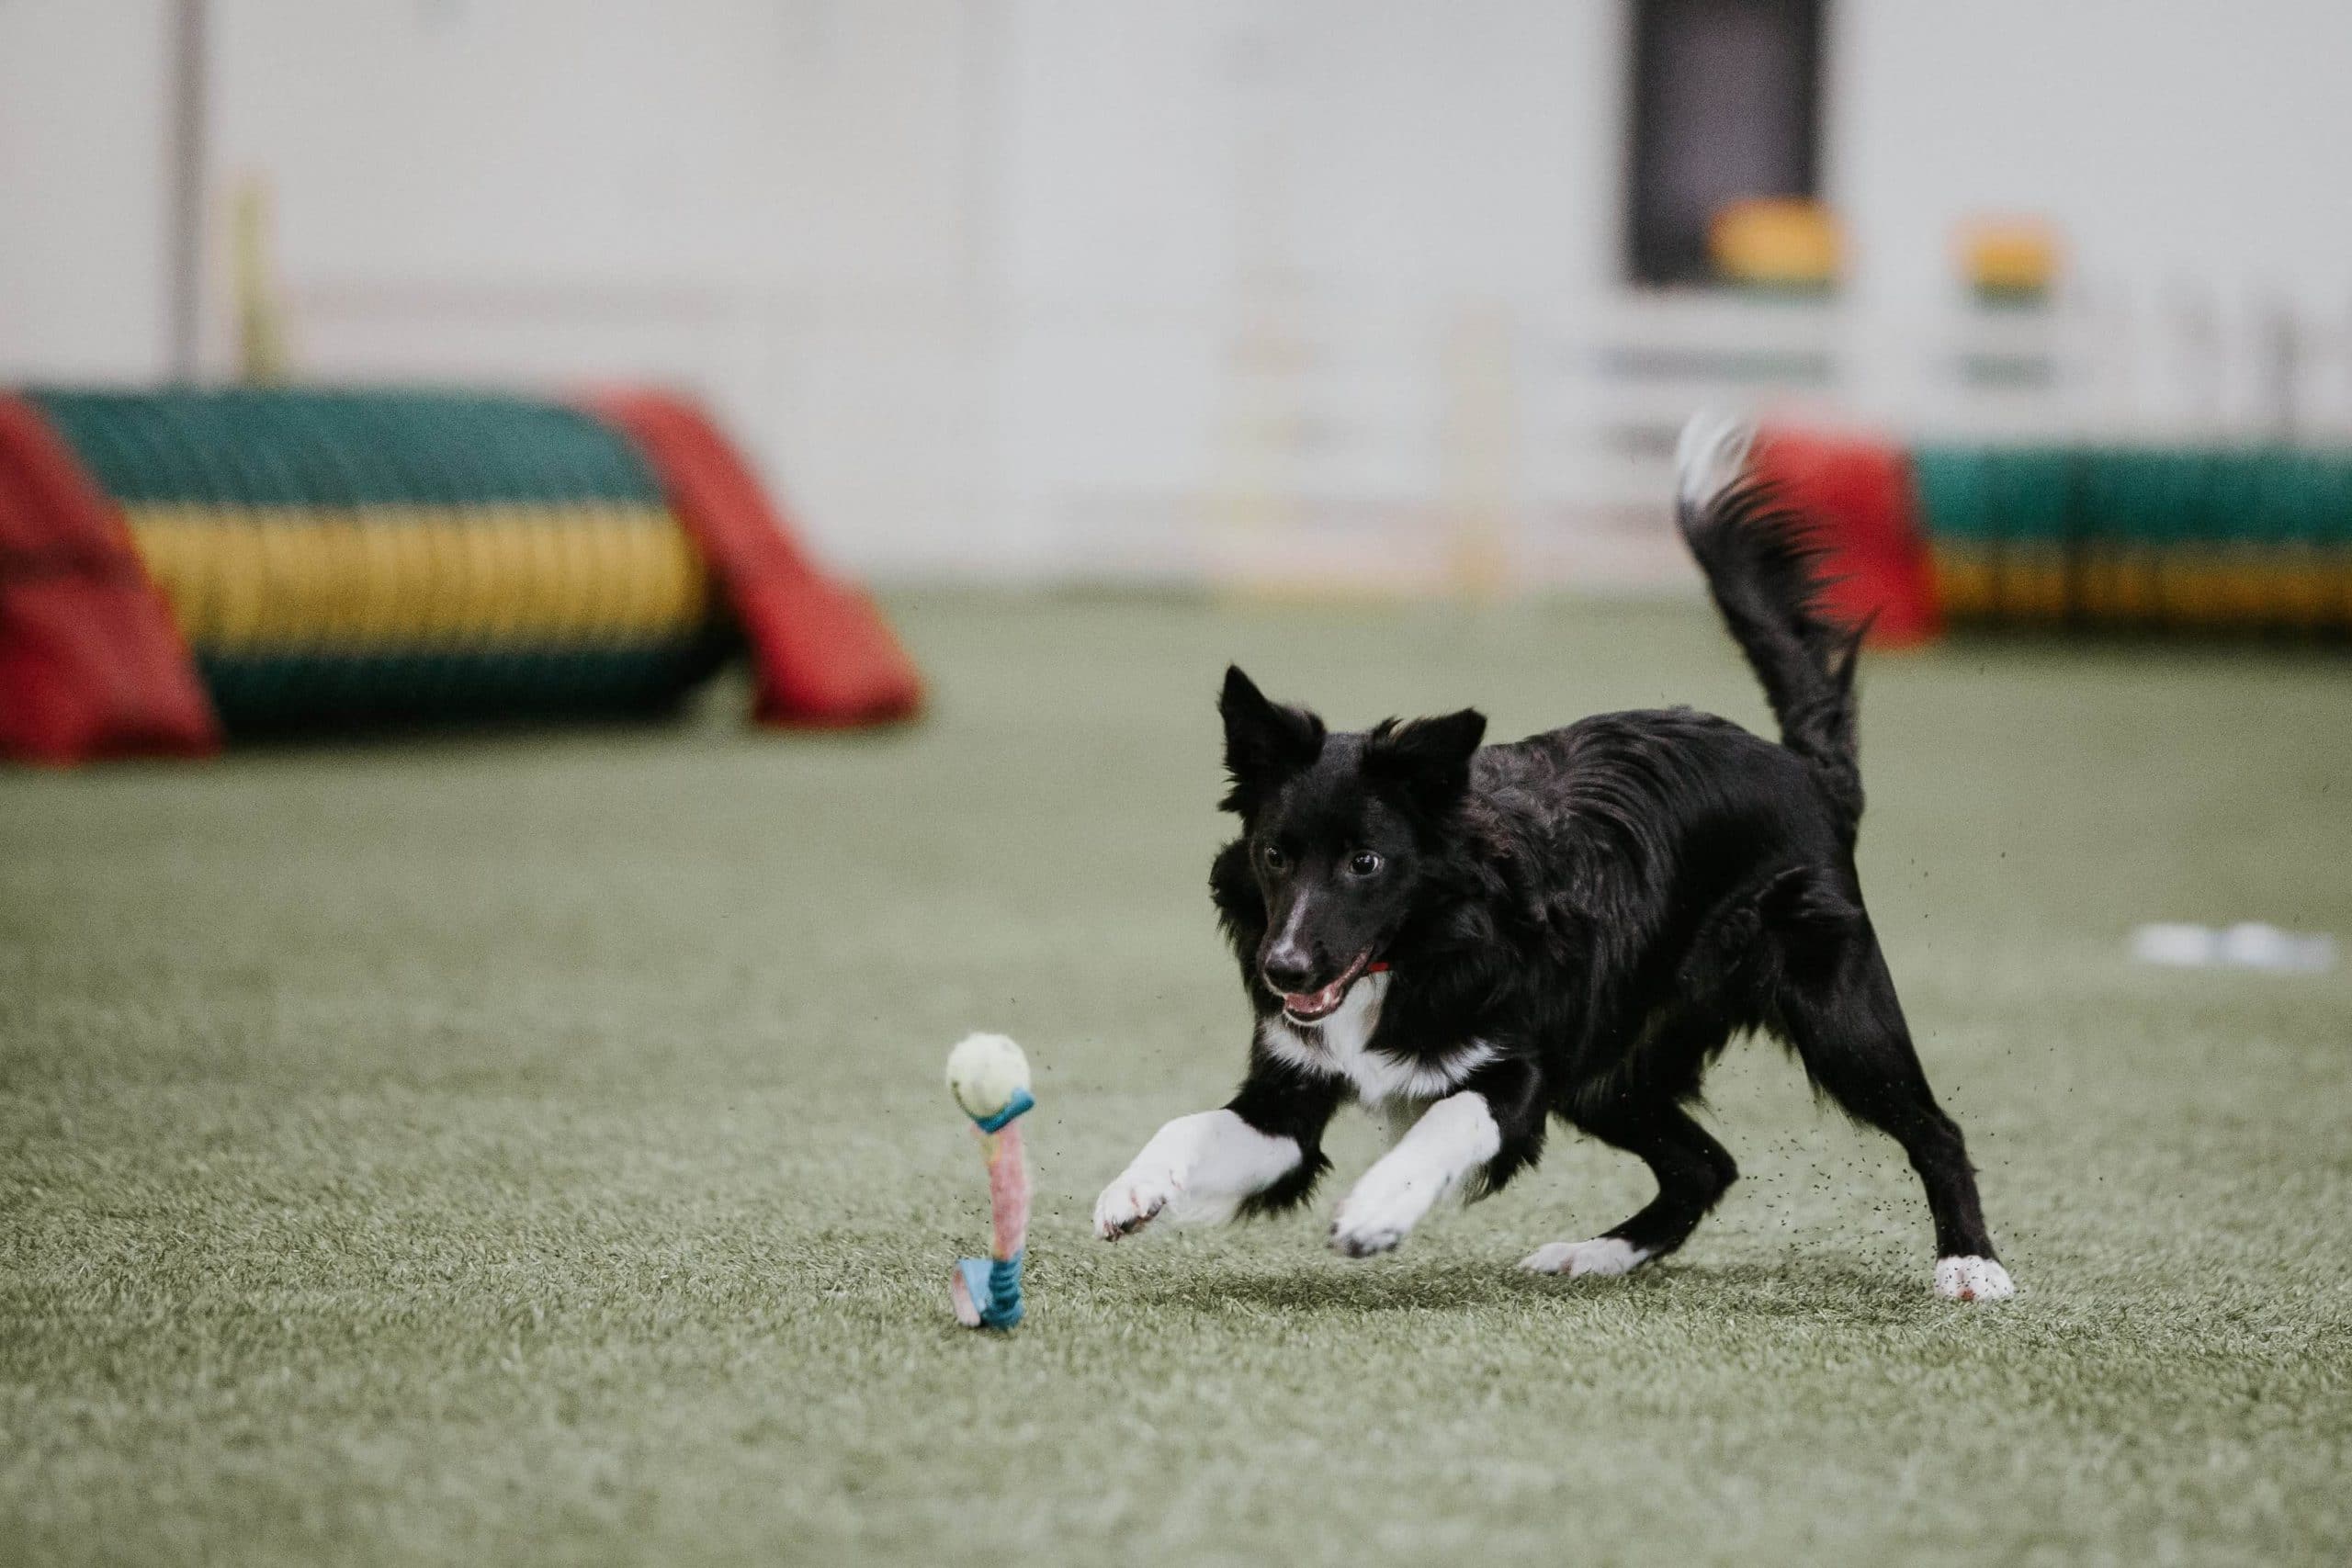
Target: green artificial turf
[{"x": 517, "y": 1148}]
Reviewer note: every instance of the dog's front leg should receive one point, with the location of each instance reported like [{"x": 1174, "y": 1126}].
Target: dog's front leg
[
  {"x": 1197, "y": 1170},
  {"x": 1452, "y": 1141}
]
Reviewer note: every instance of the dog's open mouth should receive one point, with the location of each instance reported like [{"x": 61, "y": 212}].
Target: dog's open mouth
[{"x": 1314, "y": 1006}]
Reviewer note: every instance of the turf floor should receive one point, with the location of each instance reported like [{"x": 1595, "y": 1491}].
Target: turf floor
[{"x": 530, "y": 1147}]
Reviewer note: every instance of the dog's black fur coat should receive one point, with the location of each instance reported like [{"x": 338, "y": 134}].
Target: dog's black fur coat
[{"x": 1605, "y": 906}]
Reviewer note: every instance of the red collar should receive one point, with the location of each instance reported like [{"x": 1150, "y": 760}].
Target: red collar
[{"x": 1379, "y": 969}]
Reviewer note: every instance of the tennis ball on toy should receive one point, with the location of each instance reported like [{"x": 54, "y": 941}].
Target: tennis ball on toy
[{"x": 985, "y": 1073}]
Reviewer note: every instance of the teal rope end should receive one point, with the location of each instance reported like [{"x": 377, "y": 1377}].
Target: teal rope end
[
  {"x": 994, "y": 1285},
  {"x": 1021, "y": 1101}
]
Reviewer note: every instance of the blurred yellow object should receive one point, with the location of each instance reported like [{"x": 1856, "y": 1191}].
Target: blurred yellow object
[
  {"x": 1776, "y": 240},
  {"x": 261, "y": 359},
  {"x": 2009, "y": 257},
  {"x": 398, "y": 577}
]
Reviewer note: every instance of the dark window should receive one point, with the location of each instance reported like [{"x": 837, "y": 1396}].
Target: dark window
[{"x": 1726, "y": 105}]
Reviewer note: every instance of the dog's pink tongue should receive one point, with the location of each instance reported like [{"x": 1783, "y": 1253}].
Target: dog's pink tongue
[{"x": 1312, "y": 1002}]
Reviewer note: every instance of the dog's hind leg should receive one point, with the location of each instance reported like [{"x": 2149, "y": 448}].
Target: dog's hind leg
[
  {"x": 1694, "y": 1171},
  {"x": 1842, "y": 1016}
]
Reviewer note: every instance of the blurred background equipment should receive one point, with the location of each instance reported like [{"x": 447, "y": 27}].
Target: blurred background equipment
[
  {"x": 2010, "y": 260},
  {"x": 349, "y": 556},
  {"x": 1290, "y": 300},
  {"x": 1292, "y": 297},
  {"x": 1725, "y": 154},
  {"x": 1769, "y": 243},
  {"x": 2118, "y": 538}
]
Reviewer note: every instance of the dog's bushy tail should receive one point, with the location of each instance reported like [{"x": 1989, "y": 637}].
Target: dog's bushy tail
[{"x": 1762, "y": 563}]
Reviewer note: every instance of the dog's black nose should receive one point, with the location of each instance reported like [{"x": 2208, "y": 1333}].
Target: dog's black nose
[{"x": 1288, "y": 971}]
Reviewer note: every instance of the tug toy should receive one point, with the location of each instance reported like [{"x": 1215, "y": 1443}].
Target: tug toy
[{"x": 989, "y": 1079}]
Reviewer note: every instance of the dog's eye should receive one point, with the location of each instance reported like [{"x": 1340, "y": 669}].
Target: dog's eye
[
  {"x": 1363, "y": 863},
  {"x": 1274, "y": 858}
]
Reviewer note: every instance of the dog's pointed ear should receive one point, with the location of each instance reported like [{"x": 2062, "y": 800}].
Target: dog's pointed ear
[
  {"x": 1429, "y": 758},
  {"x": 1265, "y": 742}
]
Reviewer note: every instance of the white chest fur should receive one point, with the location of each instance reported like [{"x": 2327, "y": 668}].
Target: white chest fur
[{"x": 1340, "y": 1047}]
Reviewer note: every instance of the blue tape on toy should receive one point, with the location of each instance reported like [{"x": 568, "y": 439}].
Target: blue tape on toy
[
  {"x": 994, "y": 1285},
  {"x": 1020, "y": 1102}
]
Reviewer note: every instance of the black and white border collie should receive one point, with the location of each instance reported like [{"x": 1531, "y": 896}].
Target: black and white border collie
[{"x": 1472, "y": 938}]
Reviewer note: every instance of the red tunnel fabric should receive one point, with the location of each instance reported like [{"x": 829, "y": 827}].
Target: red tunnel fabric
[
  {"x": 1859, "y": 487},
  {"x": 821, "y": 654},
  {"x": 91, "y": 665}
]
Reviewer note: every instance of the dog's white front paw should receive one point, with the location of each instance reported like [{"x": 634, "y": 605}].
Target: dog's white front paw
[
  {"x": 1602, "y": 1257},
  {"x": 1198, "y": 1170},
  {"x": 1973, "y": 1280},
  {"x": 1134, "y": 1200}
]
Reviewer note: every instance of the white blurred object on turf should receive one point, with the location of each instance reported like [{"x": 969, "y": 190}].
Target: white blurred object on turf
[{"x": 2250, "y": 944}]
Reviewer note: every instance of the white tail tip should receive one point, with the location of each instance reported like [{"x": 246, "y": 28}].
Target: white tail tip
[{"x": 1712, "y": 457}]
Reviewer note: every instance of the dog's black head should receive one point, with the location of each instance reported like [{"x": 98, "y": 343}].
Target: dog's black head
[{"x": 1338, "y": 830}]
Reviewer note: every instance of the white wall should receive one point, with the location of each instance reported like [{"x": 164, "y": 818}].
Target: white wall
[
  {"x": 772, "y": 205},
  {"x": 1232, "y": 238},
  {"x": 2190, "y": 150},
  {"x": 1023, "y": 287},
  {"x": 2196, "y": 142},
  {"x": 83, "y": 194}
]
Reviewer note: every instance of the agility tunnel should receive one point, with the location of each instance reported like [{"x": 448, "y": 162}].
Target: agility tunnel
[
  {"x": 181, "y": 567},
  {"x": 2243, "y": 540}
]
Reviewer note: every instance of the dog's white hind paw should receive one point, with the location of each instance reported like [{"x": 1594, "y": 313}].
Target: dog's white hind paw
[
  {"x": 1602, "y": 1256},
  {"x": 1973, "y": 1280}
]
